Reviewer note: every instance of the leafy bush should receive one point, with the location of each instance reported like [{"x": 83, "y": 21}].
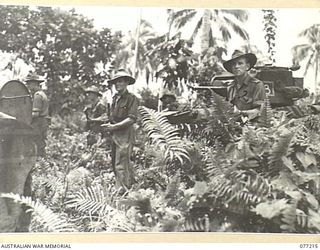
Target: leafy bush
[{"x": 263, "y": 178}]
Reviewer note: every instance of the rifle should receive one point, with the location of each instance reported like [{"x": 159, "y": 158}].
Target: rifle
[{"x": 94, "y": 124}]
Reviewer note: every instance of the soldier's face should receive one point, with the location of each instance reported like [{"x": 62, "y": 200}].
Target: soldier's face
[
  {"x": 240, "y": 66},
  {"x": 34, "y": 86},
  {"x": 121, "y": 84}
]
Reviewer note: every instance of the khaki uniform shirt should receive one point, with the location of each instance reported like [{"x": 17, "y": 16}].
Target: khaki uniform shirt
[
  {"x": 246, "y": 95},
  {"x": 124, "y": 106},
  {"x": 40, "y": 103}
]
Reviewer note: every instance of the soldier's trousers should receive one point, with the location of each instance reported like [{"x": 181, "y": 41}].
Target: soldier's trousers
[
  {"x": 40, "y": 125},
  {"x": 121, "y": 151}
]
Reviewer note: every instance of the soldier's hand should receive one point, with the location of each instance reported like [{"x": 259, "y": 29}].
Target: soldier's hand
[
  {"x": 108, "y": 126},
  {"x": 251, "y": 114}
]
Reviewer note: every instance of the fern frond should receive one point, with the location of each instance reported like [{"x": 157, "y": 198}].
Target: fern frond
[
  {"x": 94, "y": 201},
  {"x": 214, "y": 165},
  {"x": 302, "y": 219},
  {"x": 279, "y": 149},
  {"x": 91, "y": 200},
  {"x": 214, "y": 130},
  {"x": 238, "y": 190},
  {"x": 173, "y": 188},
  {"x": 289, "y": 218},
  {"x": 196, "y": 225},
  {"x": 314, "y": 221},
  {"x": 43, "y": 163},
  {"x": 190, "y": 130},
  {"x": 297, "y": 220},
  {"x": 266, "y": 114},
  {"x": 223, "y": 110},
  {"x": 142, "y": 205},
  {"x": 50, "y": 221},
  {"x": 53, "y": 183},
  {"x": 164, "y": 135}
]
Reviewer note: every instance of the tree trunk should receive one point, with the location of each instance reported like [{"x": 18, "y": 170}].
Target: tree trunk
[
  {"x": 317, "y": 86},
  {"x": 205, "y": 30},
  {"x": 135, "y": 62},
  {"x": 170, "y": 22}
]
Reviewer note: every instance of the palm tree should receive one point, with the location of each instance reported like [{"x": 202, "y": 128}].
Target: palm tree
[
  {"x": 133, "y": 53},
  {"x": 309, "y": 51},
  {"x": 214, "y": 24}
]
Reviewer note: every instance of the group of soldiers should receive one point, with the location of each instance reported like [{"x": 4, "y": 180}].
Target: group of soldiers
[
  {"x": 116, "y": 118},
  {"x": 246, "y": 93}
]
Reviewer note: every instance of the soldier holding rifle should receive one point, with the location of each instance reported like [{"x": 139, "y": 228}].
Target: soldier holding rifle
[
  {"x": 123, "y": 114},
  {"x": 95, "y": 113}
]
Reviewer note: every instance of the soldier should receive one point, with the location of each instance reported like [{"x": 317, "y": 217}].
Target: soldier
[
  {"x": 245, "y": 92},
  {"x": 169, "y": 101},
  {"x": 95, "y": 113},
  {"x": 123, "y": 114},
  {"x": 40, "y": 111}
]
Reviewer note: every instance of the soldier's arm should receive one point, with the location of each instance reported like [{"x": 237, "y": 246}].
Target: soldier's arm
[
  {"x": 259, "y": 94},
  {"x": 132, "y": 116},
  {"x": 100, "y": 114}
]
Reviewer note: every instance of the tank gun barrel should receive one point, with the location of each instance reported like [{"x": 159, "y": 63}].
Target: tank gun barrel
[
  {"x": 220, "y": 90},
  {"x": 266, "y": 67}
]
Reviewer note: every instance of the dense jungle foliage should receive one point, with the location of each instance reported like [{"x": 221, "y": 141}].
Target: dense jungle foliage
[
  {"x": 209, "y": 176},
  {"x": 218, "y": 173}
]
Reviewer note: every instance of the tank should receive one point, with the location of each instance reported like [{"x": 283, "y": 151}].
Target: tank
[
  {"x": 282, "y": 88},
  {"x": 17, "y": 151},
  {"x": 16, "y": 101}
]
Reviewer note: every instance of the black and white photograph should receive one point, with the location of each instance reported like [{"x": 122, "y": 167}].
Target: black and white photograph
[{"x": 155, "y": 119}]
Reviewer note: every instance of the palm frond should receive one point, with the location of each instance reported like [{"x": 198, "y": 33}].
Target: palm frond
[
  {"x": 300, "y": 52},
  {"x": 225, "y": 32},
  {"x": 50, "y": 221},
  {"x": 146, "y": 24},
  {"x": 310, "y": 62},
  {"x": 241, "y": 15},
  {"x": 182, "y": 17},
  {"x": 237, "y": 29},
  {"x": 196, "y": 30},
  {"x": 312, "y": 33}
]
